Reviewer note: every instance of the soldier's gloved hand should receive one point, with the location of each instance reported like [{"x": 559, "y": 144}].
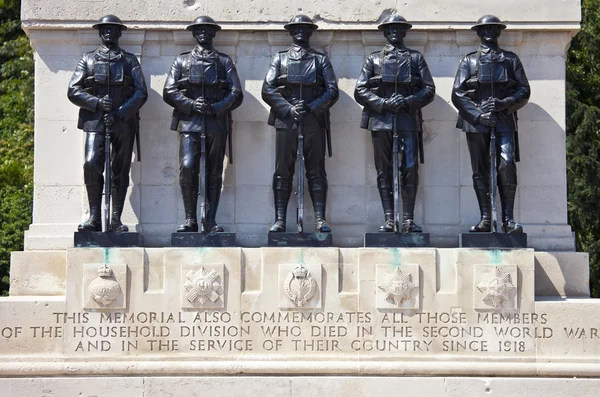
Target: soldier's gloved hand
[
  {"x": 394, "y": 103},
  {"x": 109, "y": 118},
  {"x": 501, "y": 104},
  {"x": 487, "y": 119},
  {"x": 105, "y": 103},
  {"x": 203, "y": 107},
  {"x": 298, "y": 111},
  {"x": 488, "y": 106}
]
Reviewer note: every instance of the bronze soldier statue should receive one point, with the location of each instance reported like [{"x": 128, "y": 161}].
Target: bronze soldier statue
[
  {"x": 393, "y": 86},
  {"x": 300, "y": 87},
  {"x": 109, "y": 87},
  {"x": 489, "y": 88},
  {"x": 203, "y": 87}
]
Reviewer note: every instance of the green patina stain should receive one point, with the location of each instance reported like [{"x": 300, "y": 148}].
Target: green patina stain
[
  {"x": 321, "y": 236},
  {"x": 396, "y": 255},
  {"x": 106, "y": 256},
  {"x": 495, "y": 256},
  {"x": 301, "y": 256}
]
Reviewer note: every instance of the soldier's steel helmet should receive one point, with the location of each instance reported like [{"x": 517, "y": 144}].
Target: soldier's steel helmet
[
  {"x": 300, "y": 20},
  {"x": 488, "y": 20},
  {"x": 109, "y": 20},
  {"x": 204, "y": 20},
  {"x": 394, "y": 19}
]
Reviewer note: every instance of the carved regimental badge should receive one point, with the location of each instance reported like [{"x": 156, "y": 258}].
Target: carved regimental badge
[
  {"x": 104, "y": 289},
  {"x": 497, "y": 291},
  {"x": 202, "y": 286},
  {"x": 398, "y": 287},
  {"x": 300, "y": 286}
]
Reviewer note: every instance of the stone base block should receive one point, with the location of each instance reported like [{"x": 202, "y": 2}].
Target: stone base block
[
  {"x": 300, "y": 240},
  {"x": 383, "y": 240},
  {"x": 202, "y": 239},
  {"x": 492, "y": 240},
  {"x": 106, "y": 240},
  {"x": 280, "y": 386}
]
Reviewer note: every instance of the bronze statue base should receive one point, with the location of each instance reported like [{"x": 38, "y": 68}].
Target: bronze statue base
[
  {"x": 492, "y": 240},
  {"x": 383, "y": 240},
  {"x": 202, "y": 239},
  {"x": 300, "y": 240},
  {"x": 106, "y": 240}
]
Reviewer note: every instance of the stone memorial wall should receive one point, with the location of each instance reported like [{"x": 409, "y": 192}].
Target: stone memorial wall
[{"x": 339, "y": 321}]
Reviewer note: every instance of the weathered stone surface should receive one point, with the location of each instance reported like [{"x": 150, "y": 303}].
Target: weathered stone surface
[{"x": 304, "y": 310}]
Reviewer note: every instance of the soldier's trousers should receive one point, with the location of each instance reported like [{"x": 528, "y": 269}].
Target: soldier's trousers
[
  {"x": 189, "y": 158},
  {"x": 479, "y": 149},
  {"x": 286, "y": 148},
  {"x": 120, "y": 155},
  {"x": 383, "y": 145}
]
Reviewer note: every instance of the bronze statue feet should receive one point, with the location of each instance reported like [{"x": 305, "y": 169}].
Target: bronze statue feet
[
  {"x": 93, "y": 224},
  {"x": 321, "y": 226},
  {"x": 511, "y": 227},
  {"x": 409, "y": 226},
  {"x": 387, "y": 227},
  {"x": 190, "y": 226},
  {"x": 117, "y": 226},
  {"x": 278, "y": 226},
  {"x": 484, "y": 226},
  {"x": 214, "y": 228}
]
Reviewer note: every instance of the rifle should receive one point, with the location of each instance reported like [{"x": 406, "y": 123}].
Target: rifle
[
  {"x": 107, "y": 176},
  {"x": 300, "y": 155},
  {"x": 395, "y": 158},
  {"x": 202, "y": 192},
  {"x": 493, "y": 187}
]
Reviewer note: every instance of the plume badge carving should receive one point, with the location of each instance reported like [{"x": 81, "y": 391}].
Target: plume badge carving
[{"x": 300, "y": 286}]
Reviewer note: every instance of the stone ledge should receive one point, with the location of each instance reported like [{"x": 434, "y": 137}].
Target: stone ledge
[{"x": 42, "y": 367}]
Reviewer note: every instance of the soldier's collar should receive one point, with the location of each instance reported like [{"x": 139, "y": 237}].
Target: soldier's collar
[
  {"x": 103, "y": 49},
  {"x": 202, "y": 51},
  {"x": 484, "y": 49},
  {"x": 296, "y": 51},
  {"x": 392, "y": 48}
]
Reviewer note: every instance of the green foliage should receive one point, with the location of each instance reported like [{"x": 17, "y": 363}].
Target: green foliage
[
  {"x": 16, "y": 135},
  {"x": 583, "y": 137}
]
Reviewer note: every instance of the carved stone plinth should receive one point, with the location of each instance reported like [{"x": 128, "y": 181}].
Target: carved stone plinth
[
  {"x": 202, "y": 239},
  {"x": 492, "y": 240},
  {"x": 383, "y": 240},
  {"x": 106, "y": 240},
  {"x": 300, "y": 240}
]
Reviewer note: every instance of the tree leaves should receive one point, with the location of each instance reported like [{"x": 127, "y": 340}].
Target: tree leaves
[
  {"x": 16, "y": 135},
  {"x": 583, "y": 138}
]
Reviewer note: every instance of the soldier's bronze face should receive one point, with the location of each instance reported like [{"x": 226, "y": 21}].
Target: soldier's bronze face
[
  {"x": 394, "y": 34},
  {"x": 489, "y": 33},
  {"x": 109, "y": 34},
  {"x": 301, "y": 34},
  {"x": 204, "y": 34}
]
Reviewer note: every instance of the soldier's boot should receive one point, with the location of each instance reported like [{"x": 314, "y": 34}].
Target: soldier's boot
[
  {"x": 281, "y": 197},
  {"x": 507, "y": 199},
  {"x": 387, "y": 202},
  {"x": 319, "y": 200},
  {"x": 94, "y": 222},
  {"x": 409, "y": 194},
  {"x": 118, "y": 194},
  {"x": 485, "y": 209},
  {"x": 190, "y": 203},
  {"x": 213, "y": 197}
]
